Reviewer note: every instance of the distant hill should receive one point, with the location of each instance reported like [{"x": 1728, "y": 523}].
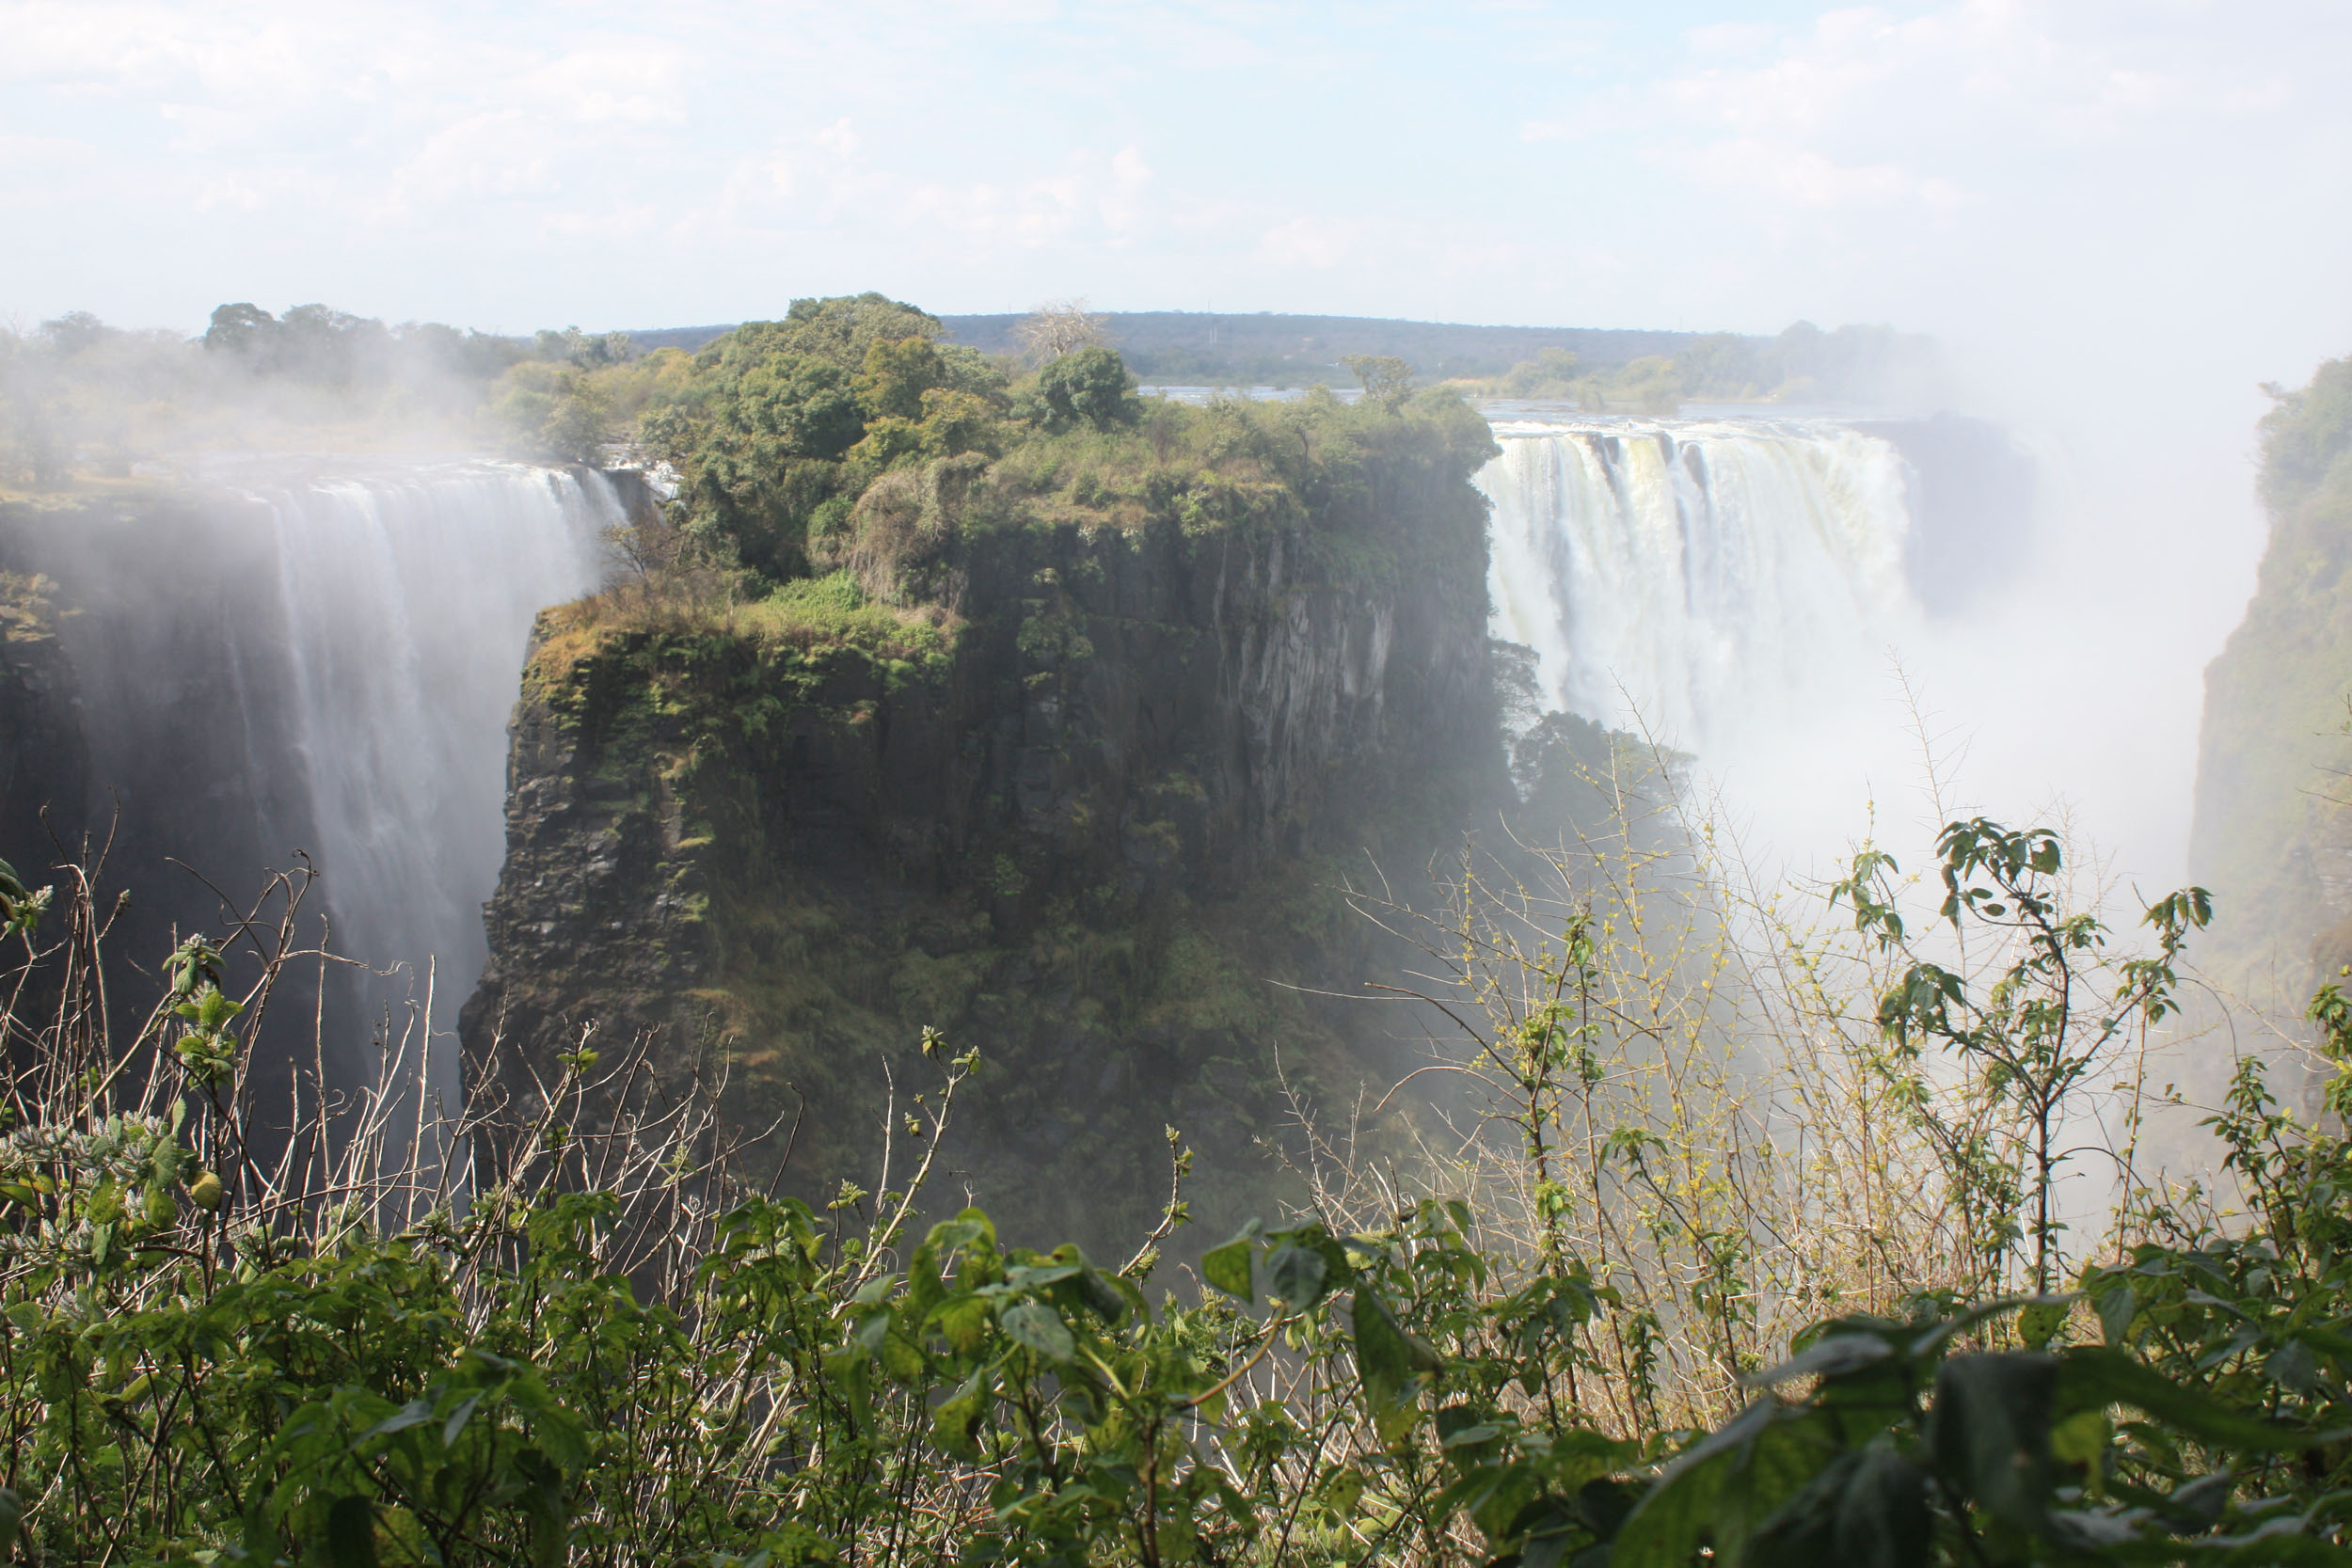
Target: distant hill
[
  {"x": 688, "y": 338},
  {"x": 1176, "y": 347},
  {"x": 1181, "y": 347}
]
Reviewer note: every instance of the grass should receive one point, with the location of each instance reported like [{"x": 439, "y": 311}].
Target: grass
[{"x": 808, "y": 614}]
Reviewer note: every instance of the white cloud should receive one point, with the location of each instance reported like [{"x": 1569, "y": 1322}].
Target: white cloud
[
  {"x": 500, "y": 155},
  {"x": 234, "y": 191},
  {"x": 1123, "y": 203},
  {"x": 1730, "y": 38},
  {"x": 609, "y": 84},
  {"x": 1786, "y": 172},
  {"x": 1319, "y": 242}
]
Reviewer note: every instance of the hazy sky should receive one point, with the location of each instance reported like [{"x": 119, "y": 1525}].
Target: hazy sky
[
  {"x": 1725, "y": 165},
  {"x": 2120, "y": 213}
]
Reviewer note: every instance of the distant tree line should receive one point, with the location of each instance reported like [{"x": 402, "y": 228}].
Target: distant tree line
[
  {"x": 80, "y": 395},
  {"x": 1861, "y": 364},
  {"x": 1868, "y": 366},
  {"x": 317, "y": 342}
]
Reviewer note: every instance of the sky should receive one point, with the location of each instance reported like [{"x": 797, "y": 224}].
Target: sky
[
  {"x": 1714, "y": 165},
  {"x": 2120, "y": 216}
]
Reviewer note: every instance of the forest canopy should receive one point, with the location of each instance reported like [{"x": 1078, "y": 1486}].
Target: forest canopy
[
  {"x": 784, "y": 436},
  {"x": 80, "y": 395}
]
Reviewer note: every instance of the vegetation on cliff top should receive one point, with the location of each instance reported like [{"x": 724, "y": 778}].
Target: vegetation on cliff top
[
  {"x": 796, "y": 440},
  {"x": 848, "y": 438},
  {"x": 83, "y": 401}
]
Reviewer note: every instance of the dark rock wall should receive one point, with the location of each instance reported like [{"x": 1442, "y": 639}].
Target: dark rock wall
[
  {"x": 144, "y": 730},
  {"x": 1972, "y": 507},
  {"x": 44, "y": 757},
  {"x": 1087, "y": 842}
]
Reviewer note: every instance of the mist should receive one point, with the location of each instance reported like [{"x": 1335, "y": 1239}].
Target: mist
[
  {"x": 1369, "y": 630},
  {"x": 2111, "y": 223},
  {"x": 2112, "y": 217}
]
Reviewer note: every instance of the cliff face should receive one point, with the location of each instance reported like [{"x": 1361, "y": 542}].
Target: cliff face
[
  {"x": 1086, "y": 836},
  {"x": 44, "y": 757},
  {"x": 2272, "y": 835}
]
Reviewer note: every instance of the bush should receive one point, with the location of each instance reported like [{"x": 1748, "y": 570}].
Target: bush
[
  {"x": 1088, "y": 388},
  {"x": 559, "y": 1328}
]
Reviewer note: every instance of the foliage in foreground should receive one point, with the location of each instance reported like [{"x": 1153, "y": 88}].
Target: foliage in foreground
[{"x": 561, "y": 1332}]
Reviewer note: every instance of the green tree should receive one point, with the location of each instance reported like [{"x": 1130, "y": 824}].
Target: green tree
[
  {"x": 244, "y": 330},
  {"x": 1386, "y": 379},
  {"x": 1721, "y": 364},
  {"x": 2304, "y": 433},
  {"x": 2058, "y": 1006},
  {"x": 1552, "y": 374},
  {"x": 842, "y": 329},
  {"x": 75, "y": 331},
  {"x": 1088, "y": 387},
  {"x": 895, "y": 375}
]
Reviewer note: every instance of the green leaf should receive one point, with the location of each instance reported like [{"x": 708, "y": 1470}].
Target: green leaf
[
  {"x": 1035, "y": 1324},
  {"x": 1102, "y": 1296},
  {"x": 1882, "y": 1519},
  {"x": 2116, "y": 1309},
  {"x": 1381, "y": 1359},
  {"x": 964, "y": 1319},
  {"x": 850, "y": 1370},
  {"x": 957, "y": 1422},
  {"x": 1991, "y": 1430},
  {"x": 11, "y": 1519},
  {"x": 1866, "y": 1509},
  {"x": 2294, "y": 1367},
  {"x": 1294, "y": 1275},
  {"x": 1228, "y": 1268},
  {"x": 2082, "y": 1437},
  {"x": 1763, "y": 1475},
  {"x": 1029, "y": 1276},
  {"x": 544, "y": 1507},
  {"x": 1834, "y": 1356},
  {"x": 2095, "y": 1375},
  {"x": 1675, "y": 1516},
  {"x": 1387, "y": 1358},
  {"x": 2082, "y": 1531},
  {"x": 2039, "y": 1322},
  {"x": 351, "y": 1533},
  {"x": 458, "y": 1417}
]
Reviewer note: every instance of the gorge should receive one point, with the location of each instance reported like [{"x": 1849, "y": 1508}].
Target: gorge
[
  {"x": 286, "y": 657},
  {"x": 1072, "y": 768}
]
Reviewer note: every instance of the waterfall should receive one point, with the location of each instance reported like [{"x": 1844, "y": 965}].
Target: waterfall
[
  {"x": 406, "y": 599},
  {"x": 1706, "y": 580},
  {"x": 280, "y": 656}
]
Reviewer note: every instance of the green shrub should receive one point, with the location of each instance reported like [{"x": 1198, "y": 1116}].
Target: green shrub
[{"x": 560, "y": 1330}]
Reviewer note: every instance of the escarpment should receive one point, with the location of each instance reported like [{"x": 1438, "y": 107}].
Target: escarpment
[
  {"x": 1083, "y": 802},
  {"x": 2272, "y": 835}
]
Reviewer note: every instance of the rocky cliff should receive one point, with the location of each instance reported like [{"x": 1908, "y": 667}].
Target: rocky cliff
[
  {"x": 44, "y": 757},
  {"x": 1085, "y": 813},
  {"x": 2272, "y": 835}
]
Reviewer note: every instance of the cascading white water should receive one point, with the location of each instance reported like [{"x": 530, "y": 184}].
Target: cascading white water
[
  {"x": 1701, "y": 580},
  {"x": 407, "y": 598}
]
